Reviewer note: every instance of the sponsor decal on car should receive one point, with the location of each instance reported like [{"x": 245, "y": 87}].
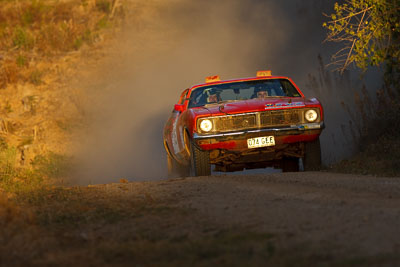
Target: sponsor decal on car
[{"x": 283, "y": 105}]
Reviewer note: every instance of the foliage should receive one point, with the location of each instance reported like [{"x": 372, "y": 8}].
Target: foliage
[
  {"x": 381, "y": 158},
  {"x": 22, "y": 39},
  {"x": 18, "y": 180},
  {"x": 13, "y": 178},
  {"x": 370, "y": 33},
  {"x": 41, "y": 29},
  {"x": 52, "y": 165},
  {"x": 104, "y": 6},
  {"x": 7, "y": 164},
  {"x": 36, "y": 77},
  {"x": 21, "y": 60}
]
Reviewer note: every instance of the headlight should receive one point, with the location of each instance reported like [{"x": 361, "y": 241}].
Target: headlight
[
  {"x": 206, "y": 125},
  {"x": 311, "y": 115}
]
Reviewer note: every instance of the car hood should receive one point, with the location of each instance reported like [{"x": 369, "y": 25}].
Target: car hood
[{"x": 252, "y": 105}]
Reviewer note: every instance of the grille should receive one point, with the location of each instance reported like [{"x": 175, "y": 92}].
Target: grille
[
  {"x": 236, "y": 122},
  {"x": 280, "y": 117},
  {"x": 255, "y": 120}
]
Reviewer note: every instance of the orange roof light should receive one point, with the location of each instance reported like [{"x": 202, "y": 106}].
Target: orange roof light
[
  {"x": 214, "y": 78},
  {"x": 264, "y": 73}
]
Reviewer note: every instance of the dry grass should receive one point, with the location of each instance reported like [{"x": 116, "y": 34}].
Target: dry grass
[
  {"x": 379, "y": 150},
  {"x": 373, "y": 122},
  {"x": 37, "y": 30},
  {"x": 376, "y": 134},
  {"x": 41, "y": 44}
]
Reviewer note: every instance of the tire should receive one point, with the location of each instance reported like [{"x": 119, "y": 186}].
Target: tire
[
  {"x": 199, "y": 161},
  {"x": 290, "y": 164},
  {"x": 175, "y": 169},
  {"x": 312, "y": 156}
]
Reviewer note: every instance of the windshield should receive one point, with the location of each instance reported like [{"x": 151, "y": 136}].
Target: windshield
[{"x": 242, "y": 91}]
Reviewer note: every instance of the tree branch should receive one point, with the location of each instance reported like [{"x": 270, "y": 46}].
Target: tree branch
[
  {"x": 352, "y": 46},
  {"x": 350, "y": 16}
]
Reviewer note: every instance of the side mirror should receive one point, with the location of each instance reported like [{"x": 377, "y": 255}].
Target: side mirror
[{"x": 179, "y": 108}]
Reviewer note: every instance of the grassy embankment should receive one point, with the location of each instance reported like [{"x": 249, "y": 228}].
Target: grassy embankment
[{"x": 41, "y": 45}]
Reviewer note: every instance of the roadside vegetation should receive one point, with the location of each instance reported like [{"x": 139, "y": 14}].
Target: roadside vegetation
[
  {"x": 369, "y": 36},
  {"x": 34, "y": 31},
  {"x": 41, "y": 43}
]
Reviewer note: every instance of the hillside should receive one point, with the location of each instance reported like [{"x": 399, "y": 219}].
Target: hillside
[{"x": 46, "y": 48}]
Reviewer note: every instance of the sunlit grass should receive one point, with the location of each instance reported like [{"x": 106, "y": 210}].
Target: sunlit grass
[
  {"x": 28, "y": 180},
  {"x": 34, "y": 31}
]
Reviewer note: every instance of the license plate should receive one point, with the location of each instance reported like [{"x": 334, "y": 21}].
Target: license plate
[{"x": 260, "y": 141}]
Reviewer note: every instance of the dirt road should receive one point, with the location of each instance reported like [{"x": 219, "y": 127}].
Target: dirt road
[
  {"x": 337, "y": 215},
  {"x": 341, "y": 214},
  {"x": 280, "y": 219}
]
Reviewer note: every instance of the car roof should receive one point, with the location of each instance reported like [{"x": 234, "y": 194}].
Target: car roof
[{"x": 239, "y": 80}]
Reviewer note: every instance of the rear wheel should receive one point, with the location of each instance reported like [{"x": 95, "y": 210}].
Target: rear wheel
[
  {"x": 312, "y": 156},
  {"x": 199, "y": 161},
  {"x": 175, "y": 169},
  {"x": 290, "y": 164}
]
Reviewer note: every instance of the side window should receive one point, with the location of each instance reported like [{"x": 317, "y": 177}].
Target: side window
[
  {"x": 289, "y": 89},
  {"x": 183, "y": 97}
]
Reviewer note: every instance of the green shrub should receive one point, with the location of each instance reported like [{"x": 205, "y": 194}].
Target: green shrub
[
  {"x": 8, "y": 108},
  {"x": 21, "y": 60},
  {"x": 52, "y": 165},
  {"x": 8, "y": 169},
  {"x": 34, "y": 13},
  {"x": 103, "y": 23},
  {"x": 19, "y": 180},
  {"x": 36, "y": 77},
  {"x": 87, "y": 37},
  {"x": 78, "y": 43},
  {"x": 103, "y": 6},
  {"x": 15, "y": 179},
  {"x": 3, "y": 144},
  {"x": 22, "y": 39}
]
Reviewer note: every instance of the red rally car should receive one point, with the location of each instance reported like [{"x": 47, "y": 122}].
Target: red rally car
[{"x": 258, "y": 122}]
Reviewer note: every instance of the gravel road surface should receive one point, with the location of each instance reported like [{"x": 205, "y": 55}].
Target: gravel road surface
[
  {"x": 278, "y": 219},
  {"x": 347, "y": 215}
]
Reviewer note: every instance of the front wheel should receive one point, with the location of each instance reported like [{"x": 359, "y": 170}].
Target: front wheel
[
  {"x": 312, "y": 156},
  {"x": 199, "y": 161}
]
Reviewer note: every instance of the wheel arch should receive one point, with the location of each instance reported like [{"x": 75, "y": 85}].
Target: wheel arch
[
  {"x": 187, "y": 139},
  {"x": 167, "y": 148}
]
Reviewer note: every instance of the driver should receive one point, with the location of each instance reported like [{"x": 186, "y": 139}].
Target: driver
[
  {"x": 262, "y": 94},
  {"x": 213, "y": 98}
]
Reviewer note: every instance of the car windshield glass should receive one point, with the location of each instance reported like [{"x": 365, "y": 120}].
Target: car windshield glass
[{"x": 242, "y": 91}]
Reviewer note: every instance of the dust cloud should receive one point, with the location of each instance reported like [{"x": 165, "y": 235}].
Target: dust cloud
[{"x": 170, "y": 45}]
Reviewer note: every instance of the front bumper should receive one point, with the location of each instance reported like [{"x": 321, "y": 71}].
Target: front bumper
[{"x": 238, "y": 140}]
